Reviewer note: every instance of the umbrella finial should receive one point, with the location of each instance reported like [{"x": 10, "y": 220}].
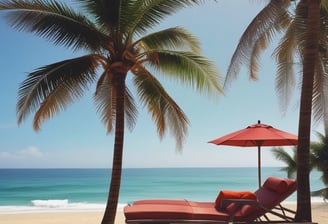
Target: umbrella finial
[{"x": 258, "y": 121}]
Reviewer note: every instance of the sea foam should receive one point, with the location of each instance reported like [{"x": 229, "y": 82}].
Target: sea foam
[
  {"x": 53, "y": 203},
  {"x": 59, "y": 205}
]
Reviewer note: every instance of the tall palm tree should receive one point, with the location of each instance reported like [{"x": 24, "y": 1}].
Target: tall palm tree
[
  {"x": 113, "y": 33},
  {"x": 309, "y": 56},
  {"x": 302, "y": 32}
]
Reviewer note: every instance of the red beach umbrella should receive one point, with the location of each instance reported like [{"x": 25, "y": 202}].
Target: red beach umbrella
[{"x": 257, "y": 135}]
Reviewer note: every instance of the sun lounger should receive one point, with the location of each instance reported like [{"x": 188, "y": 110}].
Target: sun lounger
[{"x": 229, "y": 207}]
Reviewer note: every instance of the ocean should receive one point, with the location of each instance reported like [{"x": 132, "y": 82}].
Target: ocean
[{"x": 28, "y": 190}]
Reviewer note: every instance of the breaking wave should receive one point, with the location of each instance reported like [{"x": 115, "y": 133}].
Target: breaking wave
[{"x": 60, "y": 205}]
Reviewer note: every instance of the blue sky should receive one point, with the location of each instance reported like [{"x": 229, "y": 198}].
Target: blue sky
[{"x": 76, "y": 137}]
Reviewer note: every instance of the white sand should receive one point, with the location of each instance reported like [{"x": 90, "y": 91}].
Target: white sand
[
  {"x": 319, "y": 215},
  {"x": 57, "y": 218}
]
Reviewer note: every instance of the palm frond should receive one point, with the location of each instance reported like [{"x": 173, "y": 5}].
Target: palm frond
[
  {"x": 105, "y": 102},
  {"x": 172, "y": 38},
  {"x": 107, "y": 12},
  {"x": 283, "y": 156},
  {"x": 319, "y": 156},
  {"x": 319, "y": 98},
  {"x": 104, "y": 98},
  {"x": 51, "y": 88},
  {"x": 284, "y": 55},
  {"x": 151, "y": 12},
  {"x": 300, "y": 20},
  {"x": 113, "y": 15},
  {"x": 320, "y": 92},
  {"x": 321, "y": 193},
  {"x": 255, "y": 57},
  {"x": 264, "y": 21},
  {"x": 55, "y": 22},
  {"x": 165, "y": 112},
  {"x": 191, "y": 69},
  {"x": 263, "y": 42},
  {"x": 130, "y": 108}
]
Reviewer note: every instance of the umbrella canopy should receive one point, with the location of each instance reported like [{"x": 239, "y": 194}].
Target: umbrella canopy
[{"x": 257, "y": 135}]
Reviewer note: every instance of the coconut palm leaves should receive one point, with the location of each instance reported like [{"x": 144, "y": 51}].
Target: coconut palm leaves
[
  {"x": 291, "y": 48},
  {"x": 290, "y": 161},
  {"x": 288, "y": 18},
  {"x": 301, "y": 39},
  {"x": 319, "y": 157},
  {"x": 113, "y": 36},
  {"x": 51, "y": 88},
  {"x": 318, "y": 160},
  {"x": 271, "y": 20},
  {"x": 61, "y": 25}
]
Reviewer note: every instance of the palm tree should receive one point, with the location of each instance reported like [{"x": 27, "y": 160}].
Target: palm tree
[
  {"x": 309, "y": 56},
  {"x": 290, "y": 161},
  {"x": 302, "y": 32},
  {"x": 113, "y": 33},
  {"x": 319, "y": 159}
]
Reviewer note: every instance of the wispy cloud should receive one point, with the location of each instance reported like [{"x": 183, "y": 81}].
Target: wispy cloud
[
  {"x": 29, "y": 152},
  {"x": 5, "y": 155}
]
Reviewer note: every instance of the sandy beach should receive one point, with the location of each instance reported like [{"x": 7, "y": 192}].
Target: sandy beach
[
  {"x": 85, "y": 217},
  {"x": 319, "y": 215}
]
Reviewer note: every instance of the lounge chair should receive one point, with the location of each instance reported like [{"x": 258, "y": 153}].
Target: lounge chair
[{"x": 229, "y": 207}]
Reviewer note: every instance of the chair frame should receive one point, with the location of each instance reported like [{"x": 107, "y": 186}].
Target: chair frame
[{"x": 283, "y": 214}]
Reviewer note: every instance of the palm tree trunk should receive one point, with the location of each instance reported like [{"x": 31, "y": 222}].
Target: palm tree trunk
[
  {"x": 309, "y": 59},
  {"x": 112, "y": 200},
  {"x": 325, "y": 107}
]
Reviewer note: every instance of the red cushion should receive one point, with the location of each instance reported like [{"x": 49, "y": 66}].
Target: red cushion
[
  {"x": 275, "y": 184},
  {"x": 248, "y": 209},
  {"x": 158, "y": 211},
  {"x": 233, "y": 195}
]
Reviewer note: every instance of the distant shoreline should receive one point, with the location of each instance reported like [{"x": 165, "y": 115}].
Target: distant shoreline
[
  {"x": 8, "y": 210},
  {"x": 102, "y": 168}
]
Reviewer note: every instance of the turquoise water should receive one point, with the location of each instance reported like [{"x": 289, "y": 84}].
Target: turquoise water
[{"x": 63, "y": 189}]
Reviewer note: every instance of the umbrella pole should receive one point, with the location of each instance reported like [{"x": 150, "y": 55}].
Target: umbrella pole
[{"x": 259, "y": 164}]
